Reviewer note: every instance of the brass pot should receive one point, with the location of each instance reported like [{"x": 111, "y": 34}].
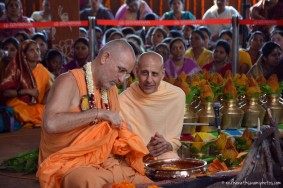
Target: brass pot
[
  {"x": 206, "y": 115},
  {"x": 174, "y": 168},
  {"x": 189, "y": 117},
  {"x": 252, "y": 111},
  {"x": 196, "y": 105},
  {"x": 232, "y": 115},
  {"x": 273, "y": 102}
]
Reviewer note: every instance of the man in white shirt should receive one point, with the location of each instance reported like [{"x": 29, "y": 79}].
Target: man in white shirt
[{"x": 219, "y": 11}]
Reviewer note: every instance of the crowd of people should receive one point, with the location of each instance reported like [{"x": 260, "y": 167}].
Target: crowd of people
[{"x": 78, "y": 106}]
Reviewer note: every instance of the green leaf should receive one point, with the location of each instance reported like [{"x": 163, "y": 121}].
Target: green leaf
[{"x": 195, "y": 91}]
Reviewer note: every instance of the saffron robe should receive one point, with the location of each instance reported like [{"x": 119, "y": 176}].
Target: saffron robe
[
  {"x": 161, "y": 111},
  {"x": 85, "y": 153}
]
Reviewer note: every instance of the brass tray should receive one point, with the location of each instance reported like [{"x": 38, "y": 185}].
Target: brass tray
[{"x": 174, "y": 168}]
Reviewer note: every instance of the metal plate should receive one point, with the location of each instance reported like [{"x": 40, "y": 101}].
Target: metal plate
[{"x": 174, "y": 168}]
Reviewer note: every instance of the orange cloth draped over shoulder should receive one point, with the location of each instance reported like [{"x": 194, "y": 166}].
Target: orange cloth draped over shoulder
[
  {"x": 33, "y": 113},
  {"x": 87, "y": 145}
]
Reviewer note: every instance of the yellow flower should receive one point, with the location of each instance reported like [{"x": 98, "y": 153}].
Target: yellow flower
[
  {"x": 221, "y": 140},
  {"x": 198, "y": 142},
  {"x": 229, "y": 151}
]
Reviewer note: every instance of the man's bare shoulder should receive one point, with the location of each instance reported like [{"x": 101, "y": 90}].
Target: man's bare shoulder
[{"x": 64, "y": 83}]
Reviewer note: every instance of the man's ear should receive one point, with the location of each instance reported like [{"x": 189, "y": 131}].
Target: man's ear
[
  {"x": 104, "y": 57},
  {"x": 163, "y": 73}
]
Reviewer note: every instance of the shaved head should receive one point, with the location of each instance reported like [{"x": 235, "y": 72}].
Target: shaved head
[{"x": 150, "y": 71}]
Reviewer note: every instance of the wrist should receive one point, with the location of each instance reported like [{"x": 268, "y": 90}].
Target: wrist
[
  {"x": 95, "y": 121},
  {"x": 169, "y": 147}
]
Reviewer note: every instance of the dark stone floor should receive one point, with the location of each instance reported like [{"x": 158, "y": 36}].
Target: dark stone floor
[{"x": 11, "y": 144}]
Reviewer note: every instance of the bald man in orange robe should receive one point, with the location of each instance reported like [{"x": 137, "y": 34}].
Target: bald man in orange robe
[{"x": 89, "y": 145}]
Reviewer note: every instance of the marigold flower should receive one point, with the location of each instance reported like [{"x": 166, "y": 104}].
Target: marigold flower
[
  {"x": 207, "y": 93},
  {"x": 252, "y": 88},
  {"x": 261, "y": 80},
  {"x": 229, "y": 151},
  {"x": 229, "y": 90},
  {"x": 228, "y": 74},
  {"x": 206, "y": 74},
  {"x": 195, "y": 80},
  {"x": 216, "y": 79},
  {"x": 170, "y": 80},
  {"x": 273, "y": 83},
  {"x": 241, "y": 80},
  {"x": 183, "y": 85},
  {"x": 182, "y": 77}
]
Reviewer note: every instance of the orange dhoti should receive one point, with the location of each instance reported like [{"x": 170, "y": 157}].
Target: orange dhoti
[{"x": 91, "y": 159}]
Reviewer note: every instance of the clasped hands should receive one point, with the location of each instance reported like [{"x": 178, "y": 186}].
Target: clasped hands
[{"x": 158, "y": 145}]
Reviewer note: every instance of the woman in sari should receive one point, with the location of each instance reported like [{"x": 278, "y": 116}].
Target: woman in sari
[
  {"x": 8, "y": 52},
  {"x": 177, "y": 12},
  {"x": 25, "y": 84},
  {"x": 269, "y": 62},
  {"x": 178, "y": 63},
  {"x": 133, "y": 10},
  {"x": 197, "y": 51},
  {"x": 221, "y": 62},
  {"x": 14, "y": 13}
]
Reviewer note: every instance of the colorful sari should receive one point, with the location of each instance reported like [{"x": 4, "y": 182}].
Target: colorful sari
[
  {"x": 17, "y": 76},
  {"x": 189, "y": 67}
]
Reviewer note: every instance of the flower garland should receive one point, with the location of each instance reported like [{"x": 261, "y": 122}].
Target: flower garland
[
  {"x": 90, "y": 86},
  {"x": 90, "y": 89}
]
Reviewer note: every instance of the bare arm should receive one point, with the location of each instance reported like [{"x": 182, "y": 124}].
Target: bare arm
[{"x": 63, "y": 96}]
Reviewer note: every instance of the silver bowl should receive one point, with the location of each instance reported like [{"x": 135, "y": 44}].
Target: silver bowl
[{"x": 165, "y": 169}]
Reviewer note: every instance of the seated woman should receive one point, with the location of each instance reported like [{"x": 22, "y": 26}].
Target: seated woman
[
  {"x": 133, "y": 10},
  {"x": 178, "y": 63},
  {"x": 244, "y": 61},
  {"x": 10, "y": 47},
  {"x": 269, "y": 62},
  {"x": 25, "y": 84},
  {"x": 81, "y": 53},
  {"x": 220, "y": 63},
  {"x": 197, "y": 50},
  {"x": 177, "y": 13},
  {"x": 255, "y": 43}
]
